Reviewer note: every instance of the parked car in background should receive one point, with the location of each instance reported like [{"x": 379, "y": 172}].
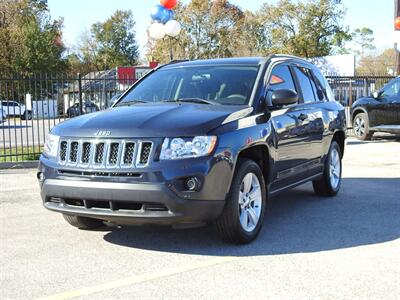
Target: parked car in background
[
  {"x": 2, "y": 116},
  {"x": 15, "y": 109},
  {"x": 88, "y": 107},
  {"x": 378, "y": 113}
]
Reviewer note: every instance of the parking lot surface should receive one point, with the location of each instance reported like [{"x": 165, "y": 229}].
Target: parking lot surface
[{"x": 309, "y": 248}]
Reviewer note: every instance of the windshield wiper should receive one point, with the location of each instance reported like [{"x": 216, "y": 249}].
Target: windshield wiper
[
  {"x": 131, "y": 102},
  {"x": 194, "y": 100}
]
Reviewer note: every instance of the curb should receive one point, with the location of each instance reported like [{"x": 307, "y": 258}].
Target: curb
[{"x": 19, "y": 165}]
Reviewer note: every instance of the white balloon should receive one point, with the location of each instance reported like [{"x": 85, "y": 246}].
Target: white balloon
[
  {"x": 172, "y": 28},
  {"x": 157, "y": 31}
]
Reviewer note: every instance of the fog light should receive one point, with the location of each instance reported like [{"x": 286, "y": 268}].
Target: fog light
[{"x": 192, "y": 184}]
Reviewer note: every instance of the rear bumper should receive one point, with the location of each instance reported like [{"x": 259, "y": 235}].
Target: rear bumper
[{"x": 154, "y": 203}]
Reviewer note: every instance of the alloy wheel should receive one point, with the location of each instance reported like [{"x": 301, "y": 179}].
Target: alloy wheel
[{"x": 250, "y": 202}]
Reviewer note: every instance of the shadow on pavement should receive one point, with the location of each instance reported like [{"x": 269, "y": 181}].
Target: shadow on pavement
[
  {"x": 376, "y": 139},
  {"x": 366, "y": 211}
]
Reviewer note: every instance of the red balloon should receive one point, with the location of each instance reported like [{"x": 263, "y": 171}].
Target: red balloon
[{"x": 169, "y": 4}]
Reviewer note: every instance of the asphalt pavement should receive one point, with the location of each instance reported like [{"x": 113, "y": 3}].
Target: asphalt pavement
[{"x": 347, "y": 247}]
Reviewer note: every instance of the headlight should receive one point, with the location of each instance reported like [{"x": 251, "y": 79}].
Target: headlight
[
  {"x": 51, "y": 145},
  {"x": 177, "y": 148}
]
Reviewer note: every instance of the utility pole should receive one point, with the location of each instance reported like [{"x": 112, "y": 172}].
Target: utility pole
[{"x": 397, "y": 28}]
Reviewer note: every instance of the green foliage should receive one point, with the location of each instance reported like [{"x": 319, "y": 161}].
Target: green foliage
[
  {"x": 220, "y": 29},
  {"x": 381, "y": 64},
  {"x": 363, "y": 38},
  {"x": 31, "y": 41},
  {"x": 306, "y": 29},
  {"x": 111, "y": 43}
]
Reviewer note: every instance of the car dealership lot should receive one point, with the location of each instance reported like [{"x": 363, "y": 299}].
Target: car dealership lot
[{"x": 310, "y": 247}]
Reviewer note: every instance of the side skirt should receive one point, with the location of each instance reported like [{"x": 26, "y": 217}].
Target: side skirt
[{"x": 293, "y": 185}]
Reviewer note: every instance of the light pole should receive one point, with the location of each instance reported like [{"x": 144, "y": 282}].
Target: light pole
[{"x": 397, "y": 29}]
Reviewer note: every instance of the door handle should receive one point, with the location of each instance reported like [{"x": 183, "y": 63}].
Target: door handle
[{"x": 302, "y": 117}]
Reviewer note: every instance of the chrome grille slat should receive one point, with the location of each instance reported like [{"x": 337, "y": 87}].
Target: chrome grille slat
[{"x": 105, "y": 154}]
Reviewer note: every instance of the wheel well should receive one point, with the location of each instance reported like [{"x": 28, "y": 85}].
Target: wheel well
[
  {"x": 260, "y": 155},
  {"x": 355, "y": 113},
  {"x": 340, "y": 137}
]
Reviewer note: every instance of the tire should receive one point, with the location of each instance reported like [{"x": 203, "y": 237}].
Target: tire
[
  {"x": 361, "y": 127},
  {"x": 27, "y": 115},
  {"x": 82, "y": 222},
  {"x": 329, "y": 184},
  {"x": 239, "y": 206}
]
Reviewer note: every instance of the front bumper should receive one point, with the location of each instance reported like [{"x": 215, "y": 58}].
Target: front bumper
[{"x": 154, "y": 198}]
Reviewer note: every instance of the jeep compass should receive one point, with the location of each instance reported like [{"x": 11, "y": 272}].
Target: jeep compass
[{"x": 196, "y": 142}]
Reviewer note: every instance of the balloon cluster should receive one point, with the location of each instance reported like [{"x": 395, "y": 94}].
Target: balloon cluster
[{"x": 163, "y": 20}]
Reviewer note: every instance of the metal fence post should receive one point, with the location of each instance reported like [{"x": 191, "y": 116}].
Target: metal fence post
[{"x": 80, "y": 93}]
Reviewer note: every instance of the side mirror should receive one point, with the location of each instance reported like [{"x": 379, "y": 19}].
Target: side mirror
[
  {"x": 376, "y": 94},
  {"x": 284, "y": 97}
]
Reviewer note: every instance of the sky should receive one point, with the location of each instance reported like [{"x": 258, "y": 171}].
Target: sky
[{"x": 79, "y": 15}]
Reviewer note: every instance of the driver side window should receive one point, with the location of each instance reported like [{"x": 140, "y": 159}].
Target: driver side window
[
  {"x": 391, "y": 89},
  {"x": 281, "y": 79}
]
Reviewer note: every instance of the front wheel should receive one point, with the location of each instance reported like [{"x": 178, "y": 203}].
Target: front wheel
[
  {"x": 329, "y": 184},
  {"x": 243, "y": 214},
  {"x": 361, "y": 127},
  {"x": 27, "y": 115},
  {"x": 82, "y": 222}
]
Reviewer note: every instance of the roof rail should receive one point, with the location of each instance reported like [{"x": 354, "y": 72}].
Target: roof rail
[{"x": 176, "y": 61}]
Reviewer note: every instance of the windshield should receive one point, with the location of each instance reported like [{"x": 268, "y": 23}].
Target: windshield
[{"x": 218, "y": 84}]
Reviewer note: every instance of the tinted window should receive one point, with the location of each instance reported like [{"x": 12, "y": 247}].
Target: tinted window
[
  {"x": 303, "y": 75},
  {"x": 324, "y": 85},
  {"x": 224, "y": 84},
  {"x": 281, "y": 78},
  {"x": 392, "y": 89}
]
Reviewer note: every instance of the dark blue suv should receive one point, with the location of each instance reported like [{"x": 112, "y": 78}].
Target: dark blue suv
[{"x": 196, "y": 142}]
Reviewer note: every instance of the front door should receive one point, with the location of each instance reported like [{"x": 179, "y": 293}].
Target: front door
[
  {"x": 298, "y": 130},
  {"x": 387, "y": 110}
]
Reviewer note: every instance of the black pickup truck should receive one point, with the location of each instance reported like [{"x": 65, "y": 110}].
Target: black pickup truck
[{"x": 198, "y": 141}]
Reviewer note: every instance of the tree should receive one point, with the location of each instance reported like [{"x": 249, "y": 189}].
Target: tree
[
  {"x": 306, "y": 29},
  {"x": 363, "y": 39},
  {"x": 111, "y": 43},
  {"x": 209, "y": 29},
  {"x": 220, "y": 29},
  {"x": 381, "y": 64},
  {"x": 31, "y": 42}
]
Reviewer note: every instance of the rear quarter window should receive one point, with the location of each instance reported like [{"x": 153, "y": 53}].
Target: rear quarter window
[{"x": 324, "y": 84}]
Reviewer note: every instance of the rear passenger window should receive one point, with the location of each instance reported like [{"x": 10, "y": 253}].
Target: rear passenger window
[
  {"x": 308, "y": 87},
  {"x": 281, "y": 78}
]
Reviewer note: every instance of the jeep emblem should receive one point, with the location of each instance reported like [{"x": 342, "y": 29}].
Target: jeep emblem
[{"x": 102, "y": 133}]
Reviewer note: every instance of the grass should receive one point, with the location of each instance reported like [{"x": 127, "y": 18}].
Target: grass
[{"x": 16, "y": 154}]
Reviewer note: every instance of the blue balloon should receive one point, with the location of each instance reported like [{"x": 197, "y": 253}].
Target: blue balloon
[{"x": 161, "y": 14}]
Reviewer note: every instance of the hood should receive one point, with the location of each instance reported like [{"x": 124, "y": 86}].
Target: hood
[
  {"x": 152, "y": 120},
  {"x": 364, "y": 100}
]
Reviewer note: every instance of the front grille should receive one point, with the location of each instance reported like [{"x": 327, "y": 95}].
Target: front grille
[
  {"x": 99, "y": 154},
  {"x": 105, "y": 153},
  {"x": 145, "y": 153},
  {"x": 73, "y": 154},
  {"x": 86, "y": 152},
  {"x": 113, "y": 156},
  {"x": 63, "y": 151}
]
